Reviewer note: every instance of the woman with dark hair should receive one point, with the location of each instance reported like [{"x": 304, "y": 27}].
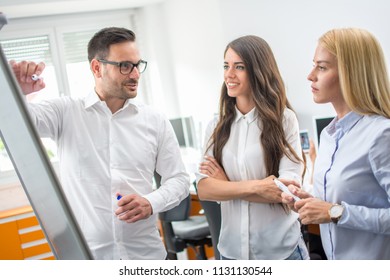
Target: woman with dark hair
[{"x": 254, "y": 139}]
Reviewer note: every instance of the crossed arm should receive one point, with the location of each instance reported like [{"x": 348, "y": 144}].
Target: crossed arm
[{"x": 218, "y": 187}]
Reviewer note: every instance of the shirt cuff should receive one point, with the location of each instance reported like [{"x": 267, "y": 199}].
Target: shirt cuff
[
  {"x": 200, "y": 176},
  {"x": 345, "y": 215},
  {"x": 156, "y": 201}
]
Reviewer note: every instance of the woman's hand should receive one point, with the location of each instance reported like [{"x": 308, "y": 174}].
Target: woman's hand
[
  {"x": 313, "y": 211},
  {"x": 296, "y": 190},
  {"x": 268, "y": 191},
  {"x": 211, "y": 168}
]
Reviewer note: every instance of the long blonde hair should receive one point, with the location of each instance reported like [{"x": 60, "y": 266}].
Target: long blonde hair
[{"x": 362, "y": 70}]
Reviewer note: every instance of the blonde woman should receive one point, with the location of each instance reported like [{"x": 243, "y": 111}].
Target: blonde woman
[{"x": 352, "y": 170}]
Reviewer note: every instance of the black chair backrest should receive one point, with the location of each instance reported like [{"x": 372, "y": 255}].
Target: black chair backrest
[
  {"x": 180, "y": 212},
  {"x": 212, "y": 211}
]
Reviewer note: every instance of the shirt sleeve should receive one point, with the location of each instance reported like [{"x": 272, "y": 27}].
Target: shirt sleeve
[
  {"x": 376, "y": 220},
  {"x": 291, "y": 169},
  {"x": 175, "y": 181},
  {"x": 47, "y": 117},
  {"x": 205, "y": 151}
]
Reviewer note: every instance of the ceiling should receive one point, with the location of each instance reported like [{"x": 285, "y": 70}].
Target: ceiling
[{"x": 29, "y": 8}]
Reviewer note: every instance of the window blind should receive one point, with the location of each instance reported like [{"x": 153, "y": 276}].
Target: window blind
[
  {"x": 35, "y": 49},
  {"x": 76, "y": 45}
]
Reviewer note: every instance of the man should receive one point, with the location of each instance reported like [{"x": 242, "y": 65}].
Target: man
[{"x": 109, "y": 147}]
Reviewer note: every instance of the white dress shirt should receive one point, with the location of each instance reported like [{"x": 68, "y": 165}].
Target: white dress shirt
[
  {"x": 103, "y": 153},
  {"x": 353, "y": 169},
  {"x": 256, "y": 230}
]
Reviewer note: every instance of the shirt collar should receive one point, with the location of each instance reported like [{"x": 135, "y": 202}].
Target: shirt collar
[
  {"x": 249, "y": 117},
  {"x": 344, "y": 124},
  {"x": 92, "y": 98}
]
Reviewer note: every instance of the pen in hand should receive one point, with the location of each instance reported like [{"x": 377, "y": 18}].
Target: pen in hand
[
  {"x": 36, "y": 77},
  {"x": 118, "y": 197}
]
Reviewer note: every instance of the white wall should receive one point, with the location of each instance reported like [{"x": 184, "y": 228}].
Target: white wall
[
  {"x": 292, "y": 29},
  {"x": 196, "y": 46},
  {"x": 154, "y": 40},
  {"x": 195, "y": 33},
  {"x": 185, "y": 44}
]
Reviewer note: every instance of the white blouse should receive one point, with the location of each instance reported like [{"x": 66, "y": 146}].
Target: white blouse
[{"x": 256, "y": 230}]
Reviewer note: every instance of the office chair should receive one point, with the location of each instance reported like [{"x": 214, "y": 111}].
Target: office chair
[
  {"x": 212, "y": 211},
  {"x": 180, "y": 230}
]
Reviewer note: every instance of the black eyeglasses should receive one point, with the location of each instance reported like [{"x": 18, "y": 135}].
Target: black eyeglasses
[{"x": 126, "y": 67}]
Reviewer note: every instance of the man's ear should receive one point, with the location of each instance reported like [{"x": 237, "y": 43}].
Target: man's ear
[{"x": 96, "y": 68}]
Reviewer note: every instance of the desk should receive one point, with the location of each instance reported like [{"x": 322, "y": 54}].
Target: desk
[{"x": 22, "y": 237}]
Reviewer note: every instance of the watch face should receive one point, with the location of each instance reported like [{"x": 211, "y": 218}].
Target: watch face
[{"x": 336, "y": 211}]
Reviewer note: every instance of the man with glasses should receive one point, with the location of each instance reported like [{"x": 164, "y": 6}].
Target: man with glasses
[{"x": 109, "y": 147}]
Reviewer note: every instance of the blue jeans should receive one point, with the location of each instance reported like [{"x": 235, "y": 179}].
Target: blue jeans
[{"x": 300, "y": 252}]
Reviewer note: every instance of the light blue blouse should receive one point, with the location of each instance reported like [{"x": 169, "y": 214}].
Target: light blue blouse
[{"x": 353, "y": 169}]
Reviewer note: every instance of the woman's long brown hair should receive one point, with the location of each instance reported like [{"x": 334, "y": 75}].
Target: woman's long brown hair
[{"x": 269, "y": 95}]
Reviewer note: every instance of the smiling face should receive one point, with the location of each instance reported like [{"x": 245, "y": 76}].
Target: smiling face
[
  {"x": 236, "y": 75},
  {"x": 112, "y": 84},
  {"x": 325, "y": 78}
]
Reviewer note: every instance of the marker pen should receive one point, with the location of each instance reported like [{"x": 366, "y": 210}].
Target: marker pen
[
  {"x": 285, "y": 189},
  {"x": 118, "y": 197},
  {"x": 35, "y": 77}
]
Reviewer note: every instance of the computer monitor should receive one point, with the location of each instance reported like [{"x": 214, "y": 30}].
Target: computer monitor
[
  {"x": 319, "y": 124},
  {"x": 178, "y": 128},
  {"x": 185, "y": 131}
]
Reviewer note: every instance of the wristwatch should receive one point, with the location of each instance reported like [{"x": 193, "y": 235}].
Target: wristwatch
[{"x": 335, "y": 212}]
